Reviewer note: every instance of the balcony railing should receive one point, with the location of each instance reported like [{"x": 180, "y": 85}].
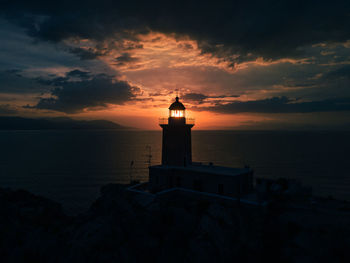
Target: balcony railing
[
  {"x": 190, "y": 121},
  {"x": 165, "y": 121}
]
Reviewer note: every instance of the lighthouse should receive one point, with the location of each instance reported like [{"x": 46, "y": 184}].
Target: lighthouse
[
  {"x": 178, "y": 172},
  {"x": 176, "y": 142}
]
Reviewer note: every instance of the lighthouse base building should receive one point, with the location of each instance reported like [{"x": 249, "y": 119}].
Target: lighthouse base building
[
  {"x": 178, "y": 171},
  {"x": 227, "y": 181}
]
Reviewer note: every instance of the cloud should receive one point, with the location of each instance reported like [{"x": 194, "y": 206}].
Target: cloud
[
  {"x": 185, "y": 46},
  {"x": 281, "y": 105},
  {"x": 199, "y": 98},
  {"x": 156, "y": 94},
  {"x": 235, "y": 31},
  {"x": 166, "y": 46},
  {"x": 69, "y": 77},
  {"x": 75, "y": 96},
  {"x": 20, "y": 51},
  {"x": 85, "y": 54},
  {"x": 12, "y": 81},
  {"x": 79, "y": 73},
  {"x": 342, "y": 72},
  {"x": 6, "y": 109},
  {"x": 125, "y": 58},
  {"x": 194, "y": 97}
]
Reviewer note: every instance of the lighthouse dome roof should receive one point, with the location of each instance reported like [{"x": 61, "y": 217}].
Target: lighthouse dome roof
[{"x": 177, "y": 105}]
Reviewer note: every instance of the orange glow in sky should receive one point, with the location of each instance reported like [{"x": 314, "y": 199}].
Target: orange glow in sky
[
  {"x": 160, "y": 67},
  {"x": 164, "y": 67},
  {"x": 129, "y": 70}
]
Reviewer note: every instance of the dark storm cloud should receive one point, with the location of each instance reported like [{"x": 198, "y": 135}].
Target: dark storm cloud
[
  {"x": 6, "y": 109},
  {"x": 185, "y": 46},
  {"x": 78, "y": 73},
  {"x": 132, "y": 46},
  {"x": 125, "y": 58},
  {"x": 199, "y": 97},
  {"x": 74, "y": 96},
  {"x": 271, "y": 29},
  {"x": 85, "y": 54},
  {"x": 70, "y": 76},
  {"x": 194, "y": 97},
  {"x": 12, "y": 81},
  {"x": 342, "y": 72},
  {"x": 281, "y": 105}
]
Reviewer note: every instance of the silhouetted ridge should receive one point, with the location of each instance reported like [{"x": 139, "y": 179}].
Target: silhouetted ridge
[{"x": 61, "y": 123}]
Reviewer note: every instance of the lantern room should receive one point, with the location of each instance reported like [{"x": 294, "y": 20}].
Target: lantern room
[{"x": 177, "y": 109}]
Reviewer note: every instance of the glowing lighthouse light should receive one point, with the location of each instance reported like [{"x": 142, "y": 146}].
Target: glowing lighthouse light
[
  {"x": 177, "y": 109},
  {"x": 177, "y": 113}
]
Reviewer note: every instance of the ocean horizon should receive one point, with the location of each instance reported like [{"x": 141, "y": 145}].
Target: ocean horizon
[{"x": 70, "y": 166}]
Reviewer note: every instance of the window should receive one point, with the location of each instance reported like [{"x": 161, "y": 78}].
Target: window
[{"x": 177, "y": 113}]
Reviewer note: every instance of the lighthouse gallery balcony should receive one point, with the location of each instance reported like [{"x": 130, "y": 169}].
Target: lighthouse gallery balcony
[{"x": 165, "y": 121}]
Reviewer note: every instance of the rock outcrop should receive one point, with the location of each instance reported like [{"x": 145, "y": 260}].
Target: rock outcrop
[{"x": 122, "y": 226}]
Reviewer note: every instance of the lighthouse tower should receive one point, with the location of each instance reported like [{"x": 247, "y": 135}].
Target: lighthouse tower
[
  {"x": 177, "y": 170},
  {"x": 176, "y": 146}
]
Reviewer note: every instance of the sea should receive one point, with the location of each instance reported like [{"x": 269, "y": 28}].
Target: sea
[{"x": 70, "y": 166}]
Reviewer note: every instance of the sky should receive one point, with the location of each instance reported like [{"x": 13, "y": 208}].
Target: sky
[{"x": 234, "y": 64}]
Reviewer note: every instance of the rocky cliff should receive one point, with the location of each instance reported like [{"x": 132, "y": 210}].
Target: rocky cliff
[{"x": 127, "y": 227}]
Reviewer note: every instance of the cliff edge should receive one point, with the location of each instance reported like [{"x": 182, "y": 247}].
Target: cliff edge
[{"x": 122, "y": 226}]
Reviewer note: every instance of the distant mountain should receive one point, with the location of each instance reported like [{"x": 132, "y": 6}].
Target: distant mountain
[{"x": 60, "y": 123}]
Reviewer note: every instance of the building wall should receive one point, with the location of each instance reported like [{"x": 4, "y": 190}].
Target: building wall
[{"x": 229, "y": 185}]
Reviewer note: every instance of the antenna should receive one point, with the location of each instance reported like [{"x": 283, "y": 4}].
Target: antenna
[
  {"x": 177, "y": 91},
  {"x": 149, "y": 155},
  {"x": 130, "y": 173}
]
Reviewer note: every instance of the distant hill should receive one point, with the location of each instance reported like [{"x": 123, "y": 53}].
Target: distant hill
[{"x": 60, "y": 123}]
